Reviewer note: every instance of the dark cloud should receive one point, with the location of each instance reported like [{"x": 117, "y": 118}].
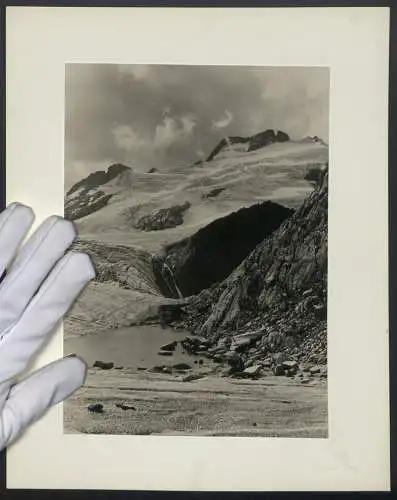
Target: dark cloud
[{"x": 149, "y": 116}]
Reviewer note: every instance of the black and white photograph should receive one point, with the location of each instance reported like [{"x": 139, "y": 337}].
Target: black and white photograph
[{"x": 201, "y": 195}]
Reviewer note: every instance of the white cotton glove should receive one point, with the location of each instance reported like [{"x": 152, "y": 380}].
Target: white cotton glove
[{"x": 39, "y": 285}]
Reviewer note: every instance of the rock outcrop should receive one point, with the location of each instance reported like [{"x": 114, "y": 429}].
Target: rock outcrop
[
  {"x": 163, "y": 218},
  {"x": 87, "y": 202}
]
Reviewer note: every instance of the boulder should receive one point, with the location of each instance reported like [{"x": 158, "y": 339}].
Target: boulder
[
  {"x": 125, "y": 407},
  {"x": 103, "y": 365},
  {"x": 253, "y": 371},
  {"x": 95, "y": 408},
  {"x": 181, "y": 366},
  {"x": 234, "y": 360},
  {"x": 240, "y": 344},
  {"x": 158, "y": 368},
  {"x": 315, "y": 369},
  {"x": 192, "y": 376},
  {"x": 169, "y": 347},
  {"x": 290, "y": 364},
  {"x": 278, "y": 370}
]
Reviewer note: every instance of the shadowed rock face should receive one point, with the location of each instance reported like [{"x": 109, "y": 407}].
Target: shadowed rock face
[
  {"x": 99, "y": 177},
  {"x": 211, "y": 254}
]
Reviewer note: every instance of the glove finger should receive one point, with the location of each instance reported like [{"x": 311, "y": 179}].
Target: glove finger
[
  {"x": 54, "y": 298},
  {"x": 28, "y": 400},
  {"x": 15, "y": 222},
  {"x": 33, "y": 263}
]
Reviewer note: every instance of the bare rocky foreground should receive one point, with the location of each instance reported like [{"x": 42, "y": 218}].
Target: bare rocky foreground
[{"x": 147, "y": 403}]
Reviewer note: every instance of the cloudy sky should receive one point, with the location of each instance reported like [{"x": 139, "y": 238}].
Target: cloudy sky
[{"x": 158, "y": 116}]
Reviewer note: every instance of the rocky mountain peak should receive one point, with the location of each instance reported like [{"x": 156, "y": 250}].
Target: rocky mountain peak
[
  {"x": 100, "y": 177},
  {"x": 253, "y": 142}
]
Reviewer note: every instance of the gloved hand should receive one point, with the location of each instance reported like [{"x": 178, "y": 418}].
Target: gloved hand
[{"x": 37, "y": 287}]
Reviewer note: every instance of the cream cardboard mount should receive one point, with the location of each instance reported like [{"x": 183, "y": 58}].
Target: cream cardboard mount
[{"x": 353, "y": 43}]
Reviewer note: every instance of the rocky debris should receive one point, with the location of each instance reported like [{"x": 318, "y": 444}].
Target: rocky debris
[
  {"x": 153, "y": 170},
  {"x": 245, "y": 340},
  {"x": 119, "y": 367},
  {"x": 103, "y": 365},
  {"x": 213, "y": 193},
  {"x": 194, "y": 344},
  {"x": 165, "y": 353},
  {"x": 271, "y": 311},
  {"x": 95, "y": 408},
  {"x": 162, "y": 218},
  {"x": 142, "y": 368},
  {"x": 125, "y": 407},
  {"x": 206, "y": 258},
  {"x": 169, "y": 347}
]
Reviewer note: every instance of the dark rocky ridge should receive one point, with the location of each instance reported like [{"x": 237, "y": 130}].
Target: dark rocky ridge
[
  {"x": 256, "y": 141},
  {"x": 99, "y": 177},
  {"x": 273, "y": 307},
  {"x": 212, "y": 253}
]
